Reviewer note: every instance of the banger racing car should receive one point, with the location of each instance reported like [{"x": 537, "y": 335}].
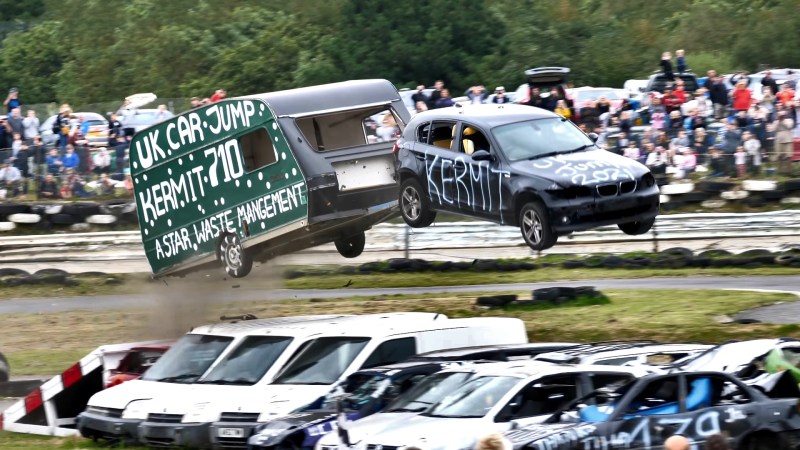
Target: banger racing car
[
  {"x": 496, "y": 395},
  {"x": 642, "y": 414},
  {"x": 522, "y": 166}
]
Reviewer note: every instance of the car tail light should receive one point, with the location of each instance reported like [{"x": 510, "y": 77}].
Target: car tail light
[{"x": 396, "y": 148}]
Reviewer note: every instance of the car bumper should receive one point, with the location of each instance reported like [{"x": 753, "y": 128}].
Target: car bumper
[
  {"x": 168, "y": 435},
  {"x": 577, "y": 215},
  {"x": 95, "y": 426},
  {"x": 231, "y": 435}
]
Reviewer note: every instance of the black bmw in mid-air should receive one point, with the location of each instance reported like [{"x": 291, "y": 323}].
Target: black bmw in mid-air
[{"x": 522, "y": 166}]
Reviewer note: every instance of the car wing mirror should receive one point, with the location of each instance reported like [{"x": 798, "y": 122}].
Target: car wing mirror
[
  {"x": 481, "y": 155},
  {"x": 594, "y": 137}
]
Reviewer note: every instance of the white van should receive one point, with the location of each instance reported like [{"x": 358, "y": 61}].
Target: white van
[
  {"x": 336, "y": 349},
  {"x": 115, "y": 413}
]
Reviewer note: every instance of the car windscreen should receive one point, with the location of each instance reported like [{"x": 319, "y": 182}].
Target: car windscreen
[
  {"x": 188, "y": 359},
  {"x": 474, "y": 399},
  {"x": 145, "y": 118},
  {"x": 249, "y": 361},
  {"x": 323, "y": 361},
  {"x": 429, "y": 391},
  {"x": 357, "y": 390},
  {"x": 539, "y": 137}
]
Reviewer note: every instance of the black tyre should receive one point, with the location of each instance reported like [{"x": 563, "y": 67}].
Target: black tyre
[
  {"x": 351, "y": 246},
  {"x": 695, "y": 197},
  {"x": 235, "y": 259},
  {"x": 547, "y": 294},
  {"x": 714, "y": 186},
  {"x": 677, "y": 252},
  {"x": 10, "y": 271},
  {"x": 48, "y": 272},
  {"x": 6, "y": 209},
  {"x": 81, "y": 209},
  {"x": 63, "y": 219},
  {"x": 534, "y": 223},
  {"x": 414, "y": 205},
  {"x": 637, "y": 228},
  {"x": 572, "y": 264},
  {"x": 5, "y": 370},
  {"x": 715, "y": 253}
]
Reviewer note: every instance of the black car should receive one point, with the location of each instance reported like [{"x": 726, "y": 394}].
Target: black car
[
  {"x": 522, "y": 166},
  {"x": 644, "y": 413},
  {"x": 658, "y": 82}
]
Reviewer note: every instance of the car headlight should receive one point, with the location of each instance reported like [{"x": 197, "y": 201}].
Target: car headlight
[
  {"x": 267, "y": 416},
  {"x": 201, "y": 413},
  {"x": 137, "y": 410}
]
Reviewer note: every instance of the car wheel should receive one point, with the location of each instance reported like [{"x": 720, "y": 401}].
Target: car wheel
[
  {"x": 351, "y": 246},
  {"x": 235, "y": 259},
  {"x": 636, "y": 228},
  {"x": 4, "y": 369},
  {"x": 534, "y": 223},
  {"x": 414, "y": 205}
]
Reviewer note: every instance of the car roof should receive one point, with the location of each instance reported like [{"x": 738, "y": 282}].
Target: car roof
[
  {"x": 483, "y": 351},
  {"x": 488, "y": 115},
  {"x": 367, "y": 325},
  {"x": 616, "y": 349},
  {"x": 328, "y": 97},
  {"x": 534, "y": 368}
]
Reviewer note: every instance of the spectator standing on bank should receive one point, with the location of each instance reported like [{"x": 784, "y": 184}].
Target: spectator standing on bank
[
  {"x": 785, "y": 96},
  {"x": 438, "y": 86},
  {"x": 784, "y": 142},
  {"x": 740, "y": 157},
  {"x": 477, "y": 94},
  {"x": 30, "y": 126},
  {"x": 730, "y": 143},
  {"x": 120, "y": 151},
  {"x": 61, "y": 126},
  {"x": 419, "y": 95},
  {"x": 12, "y": 100},
  {"x": 102, "y": 161},
  {"x": 115, "y": 129},
  {"x": 768, "y": 82},
  {"x": 718, "y": 94},
  {"x": 218, "y": 95},
  {"x": 39, "y": 153},
  {"x": 563, "y": 110},
  {"x": 589, "y": 116},
  {"x": 14, "y": 123},
  {"x": 500, "y": 95},
  {"x": 680, "y": 61},
  {"x": 536, "y": 98},
  {"x": 741, "y": 96},
  {"x": 10, "y": 178},
  {"x": 666, "y": 66},
  {"x": 444, "y": 100}
]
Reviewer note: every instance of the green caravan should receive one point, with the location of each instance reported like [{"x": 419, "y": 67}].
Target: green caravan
[{"x": 254, "y": 177}]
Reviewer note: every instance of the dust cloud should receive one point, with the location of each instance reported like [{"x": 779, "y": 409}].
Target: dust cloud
[{"x": 180, "y": 304}]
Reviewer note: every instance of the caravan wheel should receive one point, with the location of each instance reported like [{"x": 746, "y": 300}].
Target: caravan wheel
[
  {"x": 235, "y": 259},
  {"x": 351, "y": 246}
]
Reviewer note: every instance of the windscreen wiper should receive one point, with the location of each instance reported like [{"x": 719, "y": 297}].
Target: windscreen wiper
[{"x": 181, "y": 377}]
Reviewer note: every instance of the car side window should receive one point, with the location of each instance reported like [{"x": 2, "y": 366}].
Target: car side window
[
  {"x": 423, "y": 132},
  {"x": 472, "y": 139},
  {"x": 708, "y": 390},
  {"x": 660, "y": 396},
  {"x": 541, "y": 397},
  {"x": 601, "y": 380},
  {"x": 257, "y": 150},
  {"x": 392, "y": 351},
  {"x": 441, "y": 134}
]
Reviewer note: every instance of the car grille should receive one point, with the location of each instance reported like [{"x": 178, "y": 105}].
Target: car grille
[
  {"x": 232, "y": 443},
  {"x": 164, "y": 418},
  {"x": 381, "y": 447},
  {"x": 114, "y": 413},
  {"x": 238, "y": 417},
  {"x": 614, "y": 189},
  {"x": 328, "y": 447},
  {"x": 159, "y": 442}
]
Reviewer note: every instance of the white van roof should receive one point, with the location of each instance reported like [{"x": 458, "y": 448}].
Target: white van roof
[{"x": 368, "y": 324}]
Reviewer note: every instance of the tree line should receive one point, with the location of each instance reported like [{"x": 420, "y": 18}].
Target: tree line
[{"x": 85, "y": 51}]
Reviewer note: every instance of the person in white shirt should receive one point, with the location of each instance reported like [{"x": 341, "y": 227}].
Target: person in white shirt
[
  {"x": 10, "y": 178},
  {"x": 30, "y": 126},
  {"x": 101, "y": 161},
  {"x": 752, "y": 147}
]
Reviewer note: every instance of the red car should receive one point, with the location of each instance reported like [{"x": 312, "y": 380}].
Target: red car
[{"x": 135, "y": 363}]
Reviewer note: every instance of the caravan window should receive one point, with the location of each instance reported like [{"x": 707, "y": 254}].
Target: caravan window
[
  {"x": 257, "y": 150},
  {"x": 351, "y": 128}
]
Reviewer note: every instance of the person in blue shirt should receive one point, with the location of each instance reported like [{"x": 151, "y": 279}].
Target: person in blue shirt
[
  {"x": 54, "y": 163},
  {"x": 12, "y": 101},
  {"x": 71, "y": 160}
]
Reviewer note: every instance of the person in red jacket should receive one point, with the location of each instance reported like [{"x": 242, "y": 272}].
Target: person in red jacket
[{"x": 742, "y": 97}]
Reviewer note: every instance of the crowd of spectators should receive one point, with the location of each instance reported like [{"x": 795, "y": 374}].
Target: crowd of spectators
[
  {"x": 70, "y": 165},
  {"x": 712, "y": 131}
]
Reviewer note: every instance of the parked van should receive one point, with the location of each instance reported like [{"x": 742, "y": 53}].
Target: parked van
[
  {"x": 258, "y": 176},
  {"x": 115, "y": 413},
  {"x": 330, "y": 352}
]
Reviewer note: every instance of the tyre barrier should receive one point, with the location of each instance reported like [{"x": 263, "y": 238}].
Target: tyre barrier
[
  {"x": 78, "y": 216},
  {"x": 544, "y": 297}
]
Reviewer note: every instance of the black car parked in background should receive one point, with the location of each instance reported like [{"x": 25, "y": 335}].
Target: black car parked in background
[{"x": 521, "y": 166}]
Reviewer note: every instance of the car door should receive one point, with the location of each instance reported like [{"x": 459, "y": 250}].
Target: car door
[
  {"x": 435, "y": 146},
  {"x": 539, "y": 399},
  {"x": 476, "y": 175}
]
